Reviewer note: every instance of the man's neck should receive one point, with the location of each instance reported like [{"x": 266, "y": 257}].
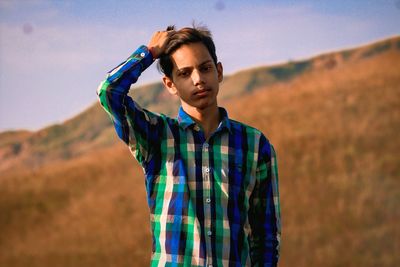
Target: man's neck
[{"x": 207, "y": 118}]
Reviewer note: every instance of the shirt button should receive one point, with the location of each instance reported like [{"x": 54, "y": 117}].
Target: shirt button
[
  {"x": 207, "y": 169},
  {"x": 208, "y": 200},
  {"x": 209, "y": 233},
  {"x": 142, "y": 54}
]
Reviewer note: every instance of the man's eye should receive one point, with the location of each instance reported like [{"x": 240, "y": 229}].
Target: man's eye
[
  {"x": 183, "y": 73},
  {"x": 206, "y": 68}
]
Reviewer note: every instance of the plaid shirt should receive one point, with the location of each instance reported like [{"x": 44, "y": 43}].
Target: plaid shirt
[{"x": 213, "y": 202}]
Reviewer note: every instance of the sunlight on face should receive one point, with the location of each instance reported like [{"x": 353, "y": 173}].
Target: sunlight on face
[{"x": 195, "y": 77}]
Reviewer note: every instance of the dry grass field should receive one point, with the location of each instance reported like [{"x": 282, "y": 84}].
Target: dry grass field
[{"x": 335, "y": 126}]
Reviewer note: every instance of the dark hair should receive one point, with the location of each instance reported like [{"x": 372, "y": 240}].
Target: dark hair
[{"x": 181, "y": 37}]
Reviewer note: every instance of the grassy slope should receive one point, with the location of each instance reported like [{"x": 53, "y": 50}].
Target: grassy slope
[
  {"x": 92, "y": 129},
  {"x": 335, "y": 129},
  {"x": 336, "y": 132}
]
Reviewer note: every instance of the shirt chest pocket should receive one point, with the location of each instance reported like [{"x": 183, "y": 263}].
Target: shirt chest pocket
[{"x": 232, "y": 175}]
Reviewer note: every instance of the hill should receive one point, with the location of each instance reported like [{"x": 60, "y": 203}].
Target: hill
[
  {"x": 71, "y": 194},
  {"x": 91, "y": 129}
]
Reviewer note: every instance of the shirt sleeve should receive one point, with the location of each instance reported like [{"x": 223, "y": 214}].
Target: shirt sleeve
[
  {"x": 264, "y": 210},
  {"x": 137, "y": 127}
]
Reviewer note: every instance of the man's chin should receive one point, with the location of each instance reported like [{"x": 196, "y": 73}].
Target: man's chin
[
  {"x": 200, "y": 104},
  {"x": 205, "y": 105}
]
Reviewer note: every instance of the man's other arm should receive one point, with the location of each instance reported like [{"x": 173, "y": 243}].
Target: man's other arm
[{"x": 264, "y": 213}]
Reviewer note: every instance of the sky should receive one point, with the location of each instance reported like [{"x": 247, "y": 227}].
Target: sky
[{"x": 54, "y": 54}]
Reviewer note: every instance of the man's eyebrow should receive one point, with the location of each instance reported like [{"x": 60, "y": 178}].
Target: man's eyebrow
[
  {"x": 201, "y": 64},
  {"x": 184, "y": 68},
  {"x": 205, "y": 62}
]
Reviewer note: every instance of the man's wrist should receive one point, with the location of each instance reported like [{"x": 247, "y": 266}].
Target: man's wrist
[{"x": 152, "y": 52}]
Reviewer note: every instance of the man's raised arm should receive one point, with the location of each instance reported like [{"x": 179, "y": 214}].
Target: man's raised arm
[{"x": 136, "y": 127}]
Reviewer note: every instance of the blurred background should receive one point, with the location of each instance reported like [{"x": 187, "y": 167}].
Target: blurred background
[{"x": 320, "y": 78}]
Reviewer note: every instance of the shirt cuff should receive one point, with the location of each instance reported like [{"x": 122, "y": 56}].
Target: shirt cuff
[{"x": 143, "y": 54}]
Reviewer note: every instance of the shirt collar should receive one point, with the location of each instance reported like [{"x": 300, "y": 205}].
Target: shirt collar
[{"x": 185, "y": 120}]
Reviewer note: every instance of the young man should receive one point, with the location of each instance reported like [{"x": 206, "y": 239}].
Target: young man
[{"x": 212, "y": 182}]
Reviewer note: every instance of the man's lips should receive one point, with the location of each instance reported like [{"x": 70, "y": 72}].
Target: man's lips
[{"x": 202, "y": 92}]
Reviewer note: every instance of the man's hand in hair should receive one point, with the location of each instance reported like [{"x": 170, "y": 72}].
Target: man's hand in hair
[{"x": 158, "y": 42}]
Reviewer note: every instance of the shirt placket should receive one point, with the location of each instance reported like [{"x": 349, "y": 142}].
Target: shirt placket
[{"x": 206, "y": 172}]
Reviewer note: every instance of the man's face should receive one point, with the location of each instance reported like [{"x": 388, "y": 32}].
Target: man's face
[{"x": 195, "y": 77}]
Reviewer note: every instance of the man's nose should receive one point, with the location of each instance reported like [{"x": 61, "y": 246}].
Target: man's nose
[{"x": 197, "y": 77}]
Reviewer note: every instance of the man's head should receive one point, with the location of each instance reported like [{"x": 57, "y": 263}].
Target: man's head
[
  {"x": 181, "y": 37},
  {"x": 191, "y": 69}
]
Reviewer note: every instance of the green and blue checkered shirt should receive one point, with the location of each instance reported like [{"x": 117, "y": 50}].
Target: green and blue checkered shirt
[{"x": 213, "y": 202}]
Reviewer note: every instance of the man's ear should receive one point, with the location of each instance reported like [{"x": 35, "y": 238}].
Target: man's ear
[
  {"x": 220, "y": 71},
  {"x": 169, "y": 85}
]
